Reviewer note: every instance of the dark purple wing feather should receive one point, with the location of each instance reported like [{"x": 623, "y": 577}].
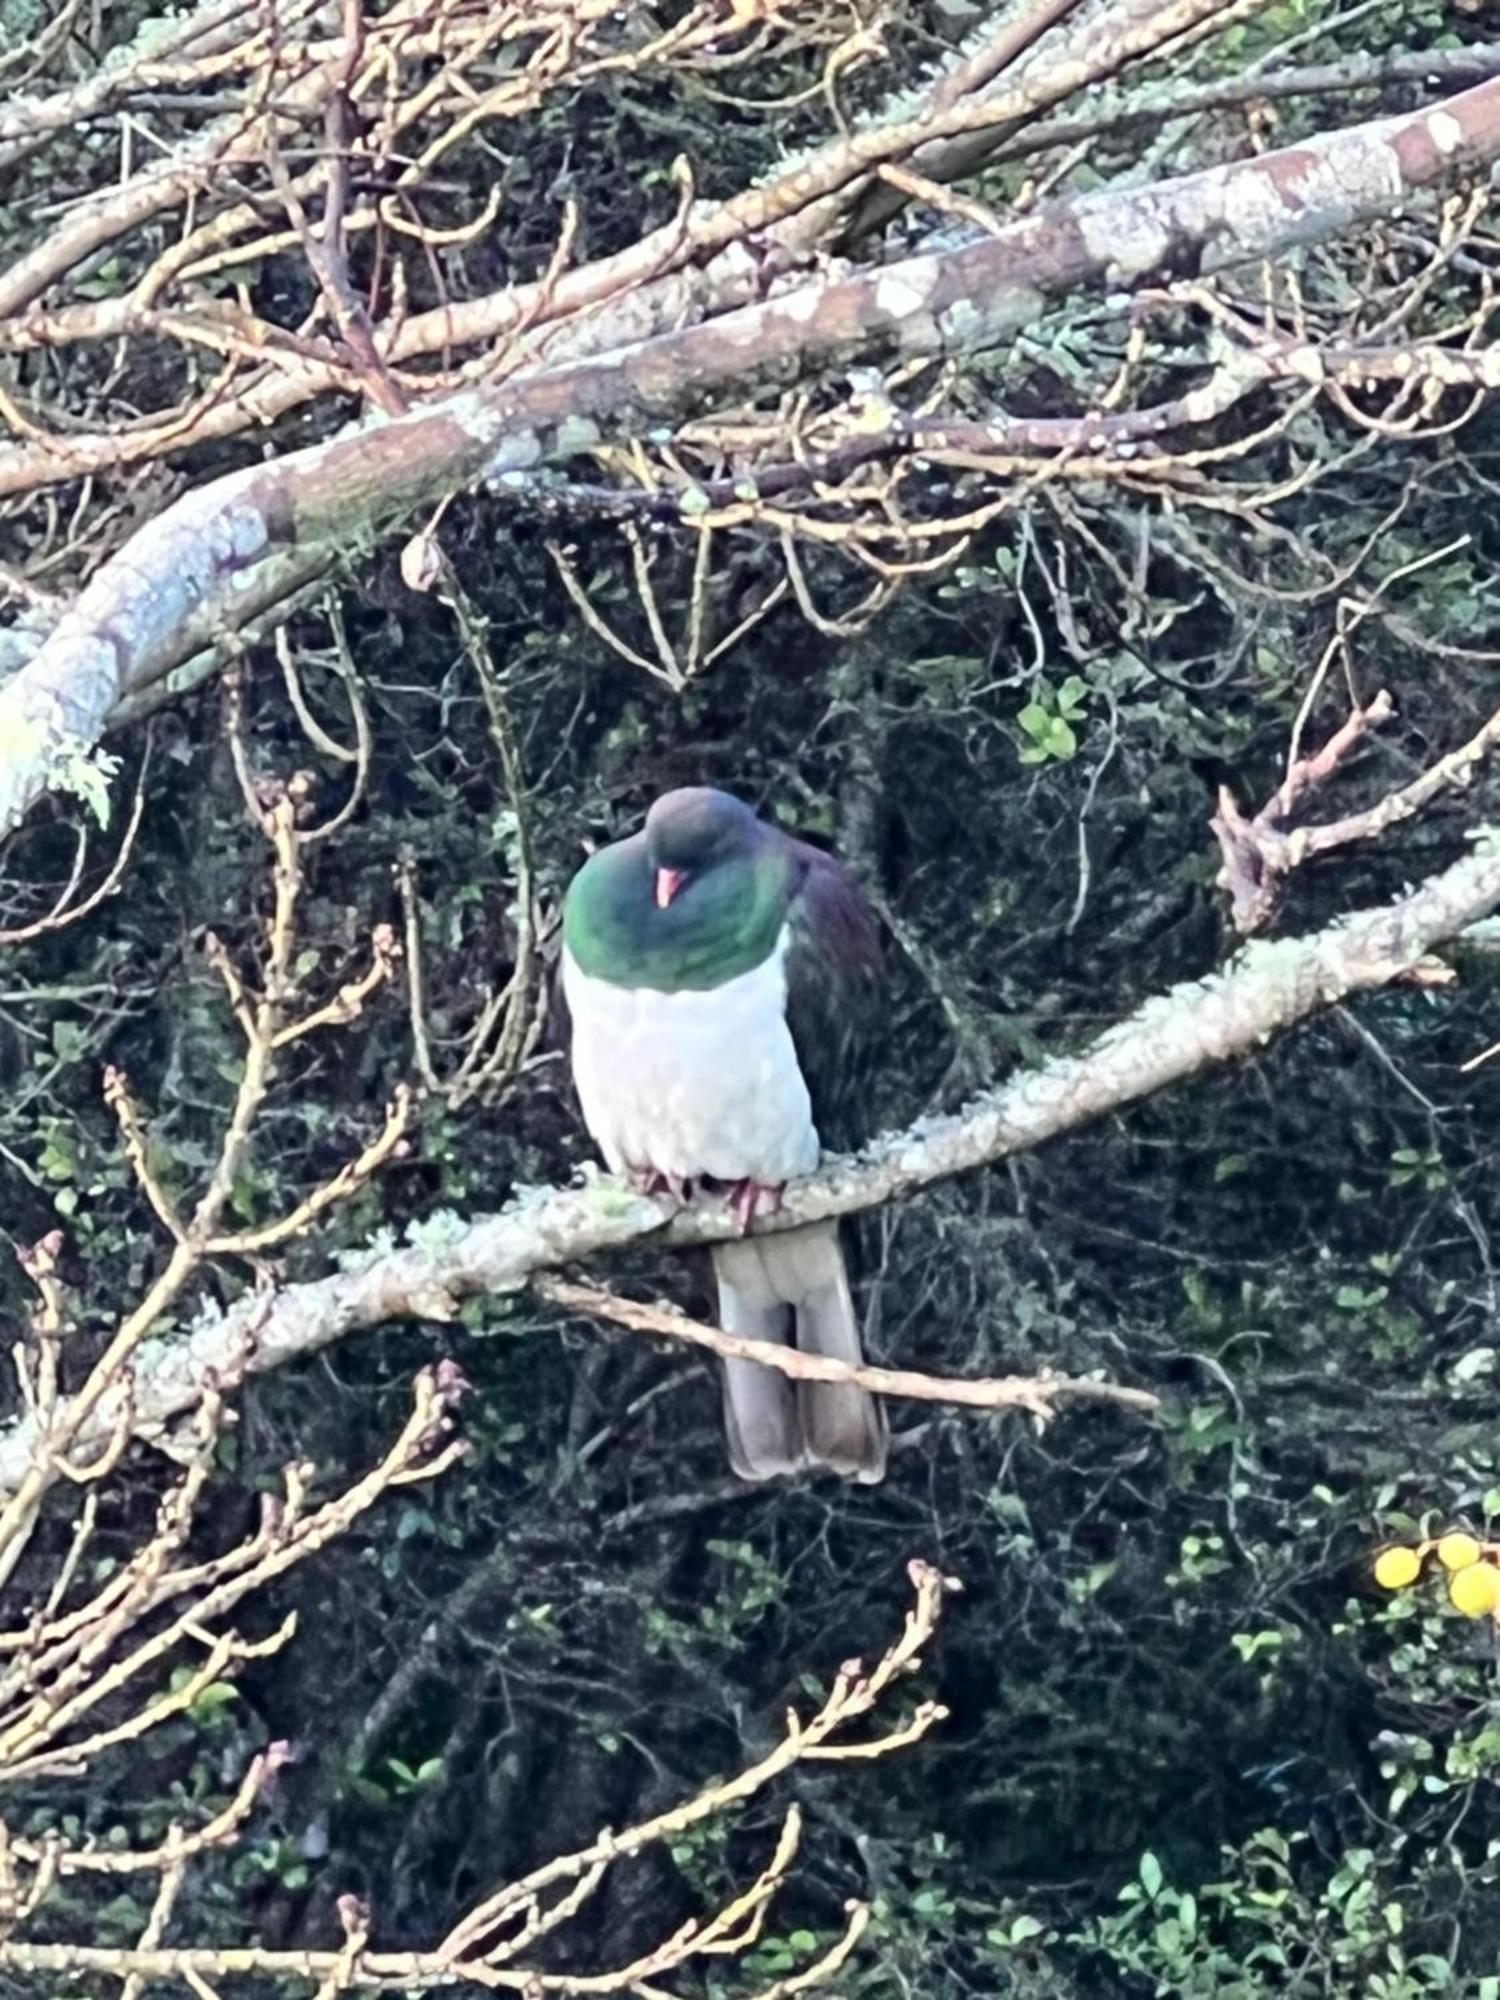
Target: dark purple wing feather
[{"x": 833, "y": 994}]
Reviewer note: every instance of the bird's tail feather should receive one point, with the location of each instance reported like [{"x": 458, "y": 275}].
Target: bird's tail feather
[{"x": 794, "y": 1284}]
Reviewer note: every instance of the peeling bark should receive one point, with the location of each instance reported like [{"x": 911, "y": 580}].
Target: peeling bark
[{"x": 1267, "y": 989}]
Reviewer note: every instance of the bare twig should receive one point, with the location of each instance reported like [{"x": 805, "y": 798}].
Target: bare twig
[
  {"x": 1260, "y": 852},
  {"x": 1036, "y": 1394},
  {"x": 489, "y": 1945}
]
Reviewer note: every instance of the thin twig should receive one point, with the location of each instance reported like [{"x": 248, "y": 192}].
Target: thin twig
[{"x": 1036, "y": 1394}]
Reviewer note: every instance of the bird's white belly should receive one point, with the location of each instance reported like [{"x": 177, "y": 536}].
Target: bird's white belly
[{"x": 692, "y": 1083}]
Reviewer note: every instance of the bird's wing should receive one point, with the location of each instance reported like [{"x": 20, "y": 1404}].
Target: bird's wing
[{"x": 833, "y": 994}]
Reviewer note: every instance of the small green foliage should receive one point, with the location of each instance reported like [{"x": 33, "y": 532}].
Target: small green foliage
[
  {"x": 88, "y": 773},
  {"x": 1048, "y": 721},
  {"x": 207, "y": 1706},
  {"x": 1422, "y": 1166}
]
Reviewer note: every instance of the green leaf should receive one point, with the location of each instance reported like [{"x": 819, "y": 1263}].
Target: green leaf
[
  {"x": 1071, "y": 696},
  {"x": 215, "y": 1696}
]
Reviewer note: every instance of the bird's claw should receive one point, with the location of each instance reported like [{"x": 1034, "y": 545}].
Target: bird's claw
[
  {"x": 651, "y": 1181},
  {"x": 747, "y": 1199}
]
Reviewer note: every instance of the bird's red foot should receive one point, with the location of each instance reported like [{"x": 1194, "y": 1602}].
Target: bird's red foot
[{"x": 747, "y": 1199}]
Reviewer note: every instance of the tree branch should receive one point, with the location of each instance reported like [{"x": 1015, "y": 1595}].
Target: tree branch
[
  {"x": 1260, "y": 853},
  {"x": 1161, "y": 103},
  {"x": 683, "y": 272},
  {"x": 1034, "y": 1393},
  {"x": 232, "y": 550},
  {"x": 493, "y": 1946},
  {"x": 1269, "y": 987},
  {"x": 156, "y": 54}
]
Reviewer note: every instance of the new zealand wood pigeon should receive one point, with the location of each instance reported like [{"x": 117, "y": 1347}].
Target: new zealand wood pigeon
[{"x": 720, "y": 977}]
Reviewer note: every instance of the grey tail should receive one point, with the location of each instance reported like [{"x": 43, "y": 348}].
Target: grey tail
[{"x": 793, "y": 1288}]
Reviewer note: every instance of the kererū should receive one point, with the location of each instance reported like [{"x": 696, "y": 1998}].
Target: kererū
[{"x": 720, "y": 978}]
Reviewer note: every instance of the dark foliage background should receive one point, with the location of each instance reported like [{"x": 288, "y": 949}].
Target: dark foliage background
[{"x": 1189, "y": 1751}]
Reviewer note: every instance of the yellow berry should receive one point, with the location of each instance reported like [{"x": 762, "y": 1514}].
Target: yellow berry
[
  {"x": 1475, "y": 1590},
  {"x": 1458, "y": 1551},
  {"x": 1395, "y": 1568}
]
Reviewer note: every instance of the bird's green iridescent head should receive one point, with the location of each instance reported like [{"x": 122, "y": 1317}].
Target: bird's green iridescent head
[{"x": 697, "y": 897}]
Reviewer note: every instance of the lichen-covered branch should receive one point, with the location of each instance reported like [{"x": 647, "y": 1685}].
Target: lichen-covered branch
[
  {"x": 229, "y": 552},
  {"x": 154, "y": 55},
  {"x": 1268, "y": 988},
  {"x": 682, "y": 272}
]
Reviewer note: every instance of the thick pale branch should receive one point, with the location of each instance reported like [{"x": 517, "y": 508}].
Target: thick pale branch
[
  {"x": 290, "y": 83},
  {"x": 235, "y": 140},
  {"x": 231, "y": 551},
  {"x": 1268, "y": 988},
  {"x": 676, "y": 274},
  {"x": 157, "y": 51}
]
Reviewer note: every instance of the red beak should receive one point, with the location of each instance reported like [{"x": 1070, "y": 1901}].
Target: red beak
[{"x": 668, "y": 882}]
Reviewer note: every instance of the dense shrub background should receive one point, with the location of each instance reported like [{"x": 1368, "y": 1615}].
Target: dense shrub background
[{"x": 1190, "y": 1751}]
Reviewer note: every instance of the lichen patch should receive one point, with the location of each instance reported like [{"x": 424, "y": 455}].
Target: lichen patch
[{"x": 1446, "y": 131}]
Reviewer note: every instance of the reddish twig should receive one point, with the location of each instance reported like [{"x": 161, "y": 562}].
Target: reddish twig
[{"x": 1258, "y": 852}]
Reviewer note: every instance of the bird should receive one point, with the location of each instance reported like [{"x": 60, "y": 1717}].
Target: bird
[{"x": 722, "y": 981}]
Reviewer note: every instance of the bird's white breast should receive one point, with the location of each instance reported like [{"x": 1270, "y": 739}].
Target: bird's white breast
[{"x": 692, "y": 1083}]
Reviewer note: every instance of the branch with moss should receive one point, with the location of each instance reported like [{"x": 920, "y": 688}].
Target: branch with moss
[{"x": 1266, "y": 990}]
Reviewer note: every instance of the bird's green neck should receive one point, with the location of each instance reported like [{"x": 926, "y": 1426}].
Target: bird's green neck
[{"x": 725, "y": 922}]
